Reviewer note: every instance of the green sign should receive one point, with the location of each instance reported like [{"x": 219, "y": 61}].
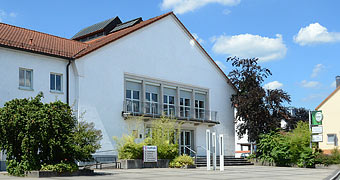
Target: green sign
[{"x": 317, "y": 118}]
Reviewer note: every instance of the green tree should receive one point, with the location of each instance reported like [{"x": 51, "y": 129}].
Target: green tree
[
  {"x": 33, "y": 133},
  {"x": 258, "y": 110}
]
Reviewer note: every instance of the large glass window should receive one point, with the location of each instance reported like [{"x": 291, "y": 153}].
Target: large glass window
[
  {"x": 184, "y": 105},
  {"x": 151, "y": 103},
  {"x": 26, "y": 78},
  {"x": 169, "y": 105},
  {"x": 199, "y": 109},
  {"x": 132, "y": 101},
  {"x": 56, "y": 82}
]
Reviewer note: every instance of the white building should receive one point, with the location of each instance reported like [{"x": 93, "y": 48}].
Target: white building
[{"x": 112, "y": 69}]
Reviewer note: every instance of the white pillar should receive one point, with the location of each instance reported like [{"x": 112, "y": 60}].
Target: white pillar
[
  {"x": 221, "y": 145},
  {"x": 207, "y": 143},
  {"x": 214, "y": 149}
]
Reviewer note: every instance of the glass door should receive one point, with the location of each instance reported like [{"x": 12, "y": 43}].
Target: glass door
[{"x": 185, "y": 142}]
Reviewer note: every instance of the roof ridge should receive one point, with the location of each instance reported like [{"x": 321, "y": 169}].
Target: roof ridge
[
  {"x": 42, "y": 33},
  {"x": 328, "y": 97}
]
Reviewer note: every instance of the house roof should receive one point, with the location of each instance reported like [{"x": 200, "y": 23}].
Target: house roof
[
  {"x": 96, "y": 27},
  {"x": 126, "y": 24},
  {"x": 327, "y": 98},
  {"x": 25, "y": 39}
]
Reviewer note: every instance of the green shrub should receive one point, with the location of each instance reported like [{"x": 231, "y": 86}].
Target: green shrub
[
  {"x": 60, "y": 167},
  {"x": 333, "y": 158},
  {"x": 182, "y": 161},
  {"x": 33, "y": 133},
  {"x": 163, "y": 136},
  {"x": 287, "y": 149}
]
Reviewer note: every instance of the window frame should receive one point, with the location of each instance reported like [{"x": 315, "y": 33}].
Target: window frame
[
  {"x": 149, "y": 104},
  {"x": 24, "y": 87},
  {"x": 333, "y": 140},
  {"x": 200, "y": 110},
  {"x": 55, "y": 83},
  {"x": 183, "y": 108},
  {"x": 133, "y": 100},
  {"x": 166, "y": 105}
]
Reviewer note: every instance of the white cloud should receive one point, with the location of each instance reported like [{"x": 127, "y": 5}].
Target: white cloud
[
  {"x": 183, "y": 6},
  {"x": 273, "y": 85},
  {"x": 226, "y": 12},
  {"x": 221, "y": 65},
  {"x": 4, "y": 15},
  {"x": 316, "y": 70},
  {"x": 309, "y": 84},
  {"x": 249, "y": 46},
  {"x": 315, "y": 34},
  {"x": 333, "y": 85},
  {"x": 200, "y": 40},
  {"x": 312, "y": 97}
]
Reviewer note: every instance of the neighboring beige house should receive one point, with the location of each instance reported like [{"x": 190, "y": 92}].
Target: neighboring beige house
[{"x": 331, "y": 119}]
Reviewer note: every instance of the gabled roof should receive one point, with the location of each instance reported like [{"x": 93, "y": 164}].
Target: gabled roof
[
  {"x": 42, "y": 43},
  {"x": 97, "y": 27},
  {"x": 19, "y": 38},
  {"x": 327, "y": 98}
]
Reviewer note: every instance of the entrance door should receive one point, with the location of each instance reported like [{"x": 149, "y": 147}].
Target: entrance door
[{"x": 185, "y": 142}]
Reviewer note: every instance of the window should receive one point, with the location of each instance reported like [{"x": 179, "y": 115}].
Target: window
[
  {"x": 26, "y": 78},
  {"x": 151, "y": 104},
  {"x": 331, "y": 138},
  {"x": 199, "y": 109},
  {"x": 132, "y": 101},
  {"x": 184, "y": 105},
  {"x": 56, "y": 82},
  {"x": 169, "y": 105}
]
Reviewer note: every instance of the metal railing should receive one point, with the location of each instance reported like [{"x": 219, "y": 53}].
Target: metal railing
[{"x": 155, "y": 109}]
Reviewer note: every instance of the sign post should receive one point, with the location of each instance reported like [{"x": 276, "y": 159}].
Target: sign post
[
  {"x": 214, "y": 149},
  {"x": 150, "y": 153},
  {"x": 315, "y": 122},
  {"x": 207, "y": 143},
  {"x": 221, "y": 145}
]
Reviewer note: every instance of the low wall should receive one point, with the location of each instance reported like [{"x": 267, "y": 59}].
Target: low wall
[
  {"x": 138, "y": 163},
  {"x": 38, "y": 174},
  {"x": 2, "y": 165}
]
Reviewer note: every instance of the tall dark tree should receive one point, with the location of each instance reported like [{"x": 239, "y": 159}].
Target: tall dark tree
[
  {"x": 258, "y": 110},
  {"x": 296, "y": 115}
]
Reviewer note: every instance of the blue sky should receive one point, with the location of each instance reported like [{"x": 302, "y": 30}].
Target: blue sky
[{"x": 298, "y": 40}]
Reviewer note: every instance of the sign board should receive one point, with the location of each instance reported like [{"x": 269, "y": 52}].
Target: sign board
[
  {"x": 150, "y": 153},
  {"x": 317, "y": 129},
  {"x": 317, "y": 118},
  {"x": 317, "y": 138}
]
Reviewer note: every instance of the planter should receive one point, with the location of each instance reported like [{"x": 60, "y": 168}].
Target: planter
[
  {"x": 38, "y": 174},
  {"x": 138, "y": 163}
]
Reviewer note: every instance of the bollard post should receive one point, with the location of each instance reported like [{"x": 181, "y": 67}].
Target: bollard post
[
  {"x": 221, "y": 145},
  {"x": 207, "y": 143}
]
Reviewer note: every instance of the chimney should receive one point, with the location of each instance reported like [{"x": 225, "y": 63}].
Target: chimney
[{"x": 337, "y": 80}]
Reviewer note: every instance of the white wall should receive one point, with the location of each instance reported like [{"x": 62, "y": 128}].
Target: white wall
[
  {"x": 161, "y": 50},
  {"x": 12, "y": 60}
]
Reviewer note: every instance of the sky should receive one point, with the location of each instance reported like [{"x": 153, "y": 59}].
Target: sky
[{"x": 298, "y": 40}]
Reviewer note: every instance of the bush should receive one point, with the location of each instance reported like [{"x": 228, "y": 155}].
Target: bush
[
  {"x": 162, "y": 135},
  {"x": 333, "y": 158},
  {"x": 60, "y": 167},
  {"x": 33, "y": 133},
  {"x": 287, "y": 149},
  {"x": 181, "y": 161}
]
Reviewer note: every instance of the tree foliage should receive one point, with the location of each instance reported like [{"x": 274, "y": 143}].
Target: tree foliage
[
  {"x": 299, "y": 114},
  {"x": 33, "y": 133},
  {"x": 258, "y": 110}
]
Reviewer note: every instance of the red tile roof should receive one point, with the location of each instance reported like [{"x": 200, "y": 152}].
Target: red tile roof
[
  {"x": 327, "y": 98},
  {"x": 25, "y": 39}
]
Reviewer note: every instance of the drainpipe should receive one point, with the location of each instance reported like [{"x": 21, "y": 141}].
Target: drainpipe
[{"x": 68, "y": 82}]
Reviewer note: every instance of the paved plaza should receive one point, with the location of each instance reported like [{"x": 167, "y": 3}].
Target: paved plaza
[{"x": 231, "y": 172}]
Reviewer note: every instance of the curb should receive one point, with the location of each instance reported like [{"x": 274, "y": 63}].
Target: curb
[{"x": 335, "y": 176}]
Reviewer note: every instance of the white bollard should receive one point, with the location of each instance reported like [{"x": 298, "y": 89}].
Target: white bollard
[
  {"x": 221, "y": 145},
  {"x": 214, "y": 149},
  {"x": 207, "y": 143}
]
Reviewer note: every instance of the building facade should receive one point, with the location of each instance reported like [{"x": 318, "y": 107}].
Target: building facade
[
  {"x": 330, "y": 108},
  {"x": 135, "y": 70}
]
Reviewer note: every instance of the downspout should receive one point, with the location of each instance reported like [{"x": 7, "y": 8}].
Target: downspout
[{"x": 68, "y": 82}]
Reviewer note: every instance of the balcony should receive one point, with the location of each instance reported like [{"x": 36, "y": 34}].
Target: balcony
[{"x": 156, "y": 110}]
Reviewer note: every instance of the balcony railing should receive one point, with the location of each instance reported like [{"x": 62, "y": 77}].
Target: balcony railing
[{"x": 154, "y": 109}]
